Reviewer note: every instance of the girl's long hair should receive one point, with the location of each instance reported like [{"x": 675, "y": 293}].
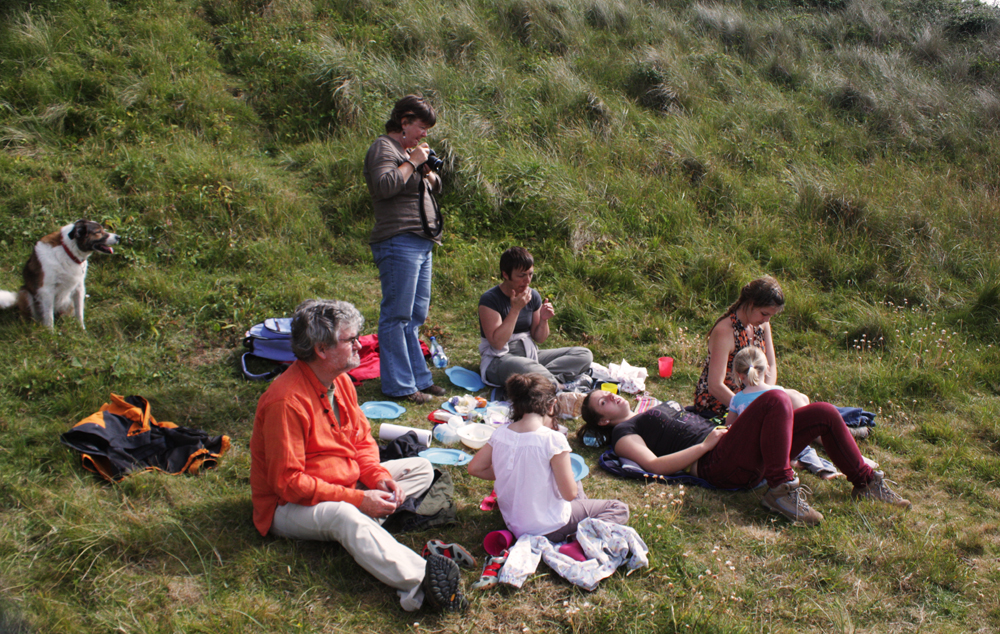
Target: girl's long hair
[
  {"x": 763, "y": 292},
  {"x": 591, "y": 423}
]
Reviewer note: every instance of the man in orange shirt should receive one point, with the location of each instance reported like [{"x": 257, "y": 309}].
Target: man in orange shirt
[{"x": 315, "y": 471}]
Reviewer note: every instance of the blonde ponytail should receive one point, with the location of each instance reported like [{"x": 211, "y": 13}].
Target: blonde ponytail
[{"x": 752, "y": 362}]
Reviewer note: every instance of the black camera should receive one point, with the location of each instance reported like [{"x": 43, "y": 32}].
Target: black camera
[{"x": 433, "y": 161}]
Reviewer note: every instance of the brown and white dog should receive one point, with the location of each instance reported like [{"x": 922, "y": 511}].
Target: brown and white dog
[{"x": 55, "y": 272}]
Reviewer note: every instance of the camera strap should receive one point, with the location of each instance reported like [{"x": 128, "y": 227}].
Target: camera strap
[{"x": 438, "y": 220}]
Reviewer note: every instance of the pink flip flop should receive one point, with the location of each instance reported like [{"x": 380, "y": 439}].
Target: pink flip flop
[{"x": 489, "y": 502}]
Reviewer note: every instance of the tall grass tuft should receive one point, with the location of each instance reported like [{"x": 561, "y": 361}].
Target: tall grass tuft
[
  {"x": 612, "y": 15},
  {"x": 988, "y": 108},
  {"x": 340, "y": 73},
  {"x": 983, "y": 313},
  {"x": 651, "y": 83},
  {"x": 733, "y": 28},
  {"x": 930, "y": 45},
  {"x": 839, "y": 211},
  {"x": 540, "y": 24},
  {"x": 852, "y": 102}
]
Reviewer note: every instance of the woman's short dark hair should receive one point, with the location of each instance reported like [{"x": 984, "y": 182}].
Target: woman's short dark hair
[
  {"x": 531, "y": 394},
  {"x": 317, "y": 321},
  {"x": 515, "y": 259},
  {"x": 592, "y": 422},
  {"x": 410, "y": 107}
]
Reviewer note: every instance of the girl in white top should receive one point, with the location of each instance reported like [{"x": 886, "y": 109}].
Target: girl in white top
[{"x": 530, "y": 462}]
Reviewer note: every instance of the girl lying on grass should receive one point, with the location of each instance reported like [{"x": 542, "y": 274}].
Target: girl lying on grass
[
  {"x": 530, "y": 462},
  {"x": 757, "y": 446}
]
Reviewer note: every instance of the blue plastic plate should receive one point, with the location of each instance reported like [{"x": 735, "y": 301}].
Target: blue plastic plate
[
  {"x": 382, "y": 409},
  {"x": 580, "y": 468},
  {"x": 438, "y": 455},
  {"x": 451, "y": 408},
  {"x": 466, "y": 379}
]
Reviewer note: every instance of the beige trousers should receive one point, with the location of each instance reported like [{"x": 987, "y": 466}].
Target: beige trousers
[{"x": 371, "y": 546}]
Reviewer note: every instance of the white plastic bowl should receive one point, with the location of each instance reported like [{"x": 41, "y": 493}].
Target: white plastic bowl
[{"x": 475, "y": 435}]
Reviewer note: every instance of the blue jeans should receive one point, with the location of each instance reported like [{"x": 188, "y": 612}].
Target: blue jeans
[{"x": 404, "y": 267}]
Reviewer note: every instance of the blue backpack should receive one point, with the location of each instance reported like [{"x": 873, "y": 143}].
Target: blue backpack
[{"x": 271, "y": 340}]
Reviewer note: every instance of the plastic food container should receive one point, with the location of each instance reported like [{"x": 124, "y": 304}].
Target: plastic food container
[
  {"x": 475, "y": 435},
  {"x": 446, "y": 434}
]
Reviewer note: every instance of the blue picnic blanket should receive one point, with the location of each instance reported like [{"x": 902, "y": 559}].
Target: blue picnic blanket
[{"x": 624, "y": 468}]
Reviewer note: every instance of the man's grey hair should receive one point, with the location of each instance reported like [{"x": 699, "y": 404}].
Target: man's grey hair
[{"x": 320, "y": 321}]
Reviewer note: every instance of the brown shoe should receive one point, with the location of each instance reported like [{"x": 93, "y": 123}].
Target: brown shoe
[
  {"x": 419, "y": 397},
  {"x": 435, "y": 390},
  {"x": 789, "y": 499},
  {"x": 879, "y": 491}
]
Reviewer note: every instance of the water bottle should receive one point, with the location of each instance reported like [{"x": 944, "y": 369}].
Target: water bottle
[
  {"x": 438, "y": 356},
  {"x": 591, "y": 439}
]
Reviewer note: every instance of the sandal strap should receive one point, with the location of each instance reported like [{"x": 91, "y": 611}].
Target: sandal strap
[{"x": 452, "y": 551}]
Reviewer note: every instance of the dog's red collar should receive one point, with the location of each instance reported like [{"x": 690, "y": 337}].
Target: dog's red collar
[{"x": 68, "y": 252}]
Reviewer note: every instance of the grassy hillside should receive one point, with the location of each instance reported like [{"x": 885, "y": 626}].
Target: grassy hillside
[{"x": 654, "y": 156}]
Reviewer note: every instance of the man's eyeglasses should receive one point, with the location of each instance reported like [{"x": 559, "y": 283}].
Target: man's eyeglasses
[{"x": 353, "y": 340}]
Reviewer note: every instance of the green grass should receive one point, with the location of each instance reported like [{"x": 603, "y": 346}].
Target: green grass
[{"x": 654, "y": 156}]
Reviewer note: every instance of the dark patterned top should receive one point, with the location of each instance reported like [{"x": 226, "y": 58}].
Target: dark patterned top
[
  {"x": 664, "y": 429},
  {"x": 703, "y": 399}
]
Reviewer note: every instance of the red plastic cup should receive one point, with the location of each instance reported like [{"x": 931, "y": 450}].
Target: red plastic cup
[
  {"x": 497, "y": 542},
  {"x": 666, "y": 366}
]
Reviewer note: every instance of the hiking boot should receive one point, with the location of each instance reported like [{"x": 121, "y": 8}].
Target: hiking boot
[
  {"x": 443, "y": 584},
  {"x": 879, "y": 491},
  {"x": 789, "y": 499}
]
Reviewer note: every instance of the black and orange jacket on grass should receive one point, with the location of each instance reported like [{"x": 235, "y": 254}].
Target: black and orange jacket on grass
[{"x": 123, "y": 437}]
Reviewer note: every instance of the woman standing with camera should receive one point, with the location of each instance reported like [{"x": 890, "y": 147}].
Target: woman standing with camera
[{"x": 400, "y": 170}]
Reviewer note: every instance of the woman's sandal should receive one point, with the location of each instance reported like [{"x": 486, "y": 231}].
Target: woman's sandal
[
  {"x": 456, "y": 553},
  {"x": 491, "y": 572}
]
